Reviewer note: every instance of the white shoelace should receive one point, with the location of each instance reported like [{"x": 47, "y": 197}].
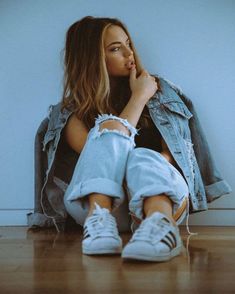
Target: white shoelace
[
  {"x": 134, "y": 225},
  {"x": 187, "y": 221},
  {"x": 149, "y": 228},
  {"x": 100, "y": 223}
]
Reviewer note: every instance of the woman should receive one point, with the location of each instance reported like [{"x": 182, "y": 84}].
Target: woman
[
  {"x": 111, "y": 143},
  {"x": 132, "y": 134}
]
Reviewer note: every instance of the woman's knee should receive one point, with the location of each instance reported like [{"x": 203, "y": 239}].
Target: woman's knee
[
  {"x": 114, "y": 125},
  {"x": 111, "y": 123},
  {"x": 144, "y": 153}
]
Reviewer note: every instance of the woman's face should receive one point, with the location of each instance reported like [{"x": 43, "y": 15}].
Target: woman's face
[{"x": 118, "y": 54}]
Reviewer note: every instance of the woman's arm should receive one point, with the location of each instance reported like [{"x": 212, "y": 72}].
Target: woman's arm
[
  {"x": 142, "y": 88},
  {"x": 76, "y": 133},
  {"x": 131, "y": 113}
]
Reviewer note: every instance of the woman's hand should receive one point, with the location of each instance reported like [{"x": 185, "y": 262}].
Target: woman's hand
[{"x": 144, "y": 86}]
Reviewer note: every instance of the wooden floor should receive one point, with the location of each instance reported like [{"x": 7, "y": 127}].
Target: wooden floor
[{"x": 46, "y": 262}]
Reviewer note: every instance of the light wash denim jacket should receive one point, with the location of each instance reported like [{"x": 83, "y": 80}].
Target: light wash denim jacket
[{"x": 174, "y": 115}]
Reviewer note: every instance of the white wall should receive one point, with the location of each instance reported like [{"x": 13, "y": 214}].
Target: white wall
[{"x": 192, "y": 43}]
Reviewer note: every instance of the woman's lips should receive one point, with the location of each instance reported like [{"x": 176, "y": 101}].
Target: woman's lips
[{"x": 130, "y": 64}]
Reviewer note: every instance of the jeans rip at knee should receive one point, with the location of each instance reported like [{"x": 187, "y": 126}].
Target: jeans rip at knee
[{"x": 109, "y": 117}]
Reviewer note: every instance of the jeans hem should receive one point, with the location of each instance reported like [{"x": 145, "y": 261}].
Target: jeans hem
[{"x": 97, "y": 185}]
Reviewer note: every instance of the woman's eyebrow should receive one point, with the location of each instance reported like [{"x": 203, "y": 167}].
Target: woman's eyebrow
[{"x": 116, "y": 42}]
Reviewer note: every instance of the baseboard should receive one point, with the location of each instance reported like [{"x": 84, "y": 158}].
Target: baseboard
[
  {"x": 14, "y": 217},
  {"x": 212, "y": 217},
  {"x": 206, "y": 218}
]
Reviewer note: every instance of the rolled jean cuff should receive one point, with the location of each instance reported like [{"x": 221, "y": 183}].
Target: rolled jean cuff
[
  {"x": 148, "y": 173},
  {"x": 136, "y": 208},
  {"x": 97, "y": 185},
  {"x": 104, "y": 117}
]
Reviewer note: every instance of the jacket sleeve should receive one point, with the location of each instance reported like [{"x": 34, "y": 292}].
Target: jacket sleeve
[
  {"x": 40, "y": 164},
  {"x": 214, "y": 185},
  {"x": 37, "y": 218}
]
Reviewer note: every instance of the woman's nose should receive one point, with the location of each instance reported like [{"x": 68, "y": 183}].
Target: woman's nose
[{"x": 128, "y": 51}]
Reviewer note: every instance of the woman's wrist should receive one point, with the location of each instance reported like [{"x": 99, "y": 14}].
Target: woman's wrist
[
  {"x": 141, "y": 99},
  {"x": 133, "y": 110}
]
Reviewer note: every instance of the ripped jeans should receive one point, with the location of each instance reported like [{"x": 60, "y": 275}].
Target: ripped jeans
[{"x": 110, "y": 164}]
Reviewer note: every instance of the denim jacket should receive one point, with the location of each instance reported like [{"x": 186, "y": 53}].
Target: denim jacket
[{"x": 175, "y": 117}]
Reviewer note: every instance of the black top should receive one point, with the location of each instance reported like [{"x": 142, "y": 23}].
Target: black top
[
  {"x": 149, "y": 138},
  {"x": 66, "y": 159}
]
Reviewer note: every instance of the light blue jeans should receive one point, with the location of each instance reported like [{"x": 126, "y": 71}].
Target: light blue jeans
[{"x": 110, "y": 164}]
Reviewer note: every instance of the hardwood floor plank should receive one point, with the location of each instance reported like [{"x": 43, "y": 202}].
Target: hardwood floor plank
[{"x": 46, "y": 262}]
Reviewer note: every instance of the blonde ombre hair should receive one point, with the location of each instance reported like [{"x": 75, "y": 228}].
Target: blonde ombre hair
[{"x": 86, "y": 81}]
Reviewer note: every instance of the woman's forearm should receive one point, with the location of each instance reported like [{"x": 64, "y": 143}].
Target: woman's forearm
[
  {"x": 131, "y": 113},
  {"x": 133, "y": 110},
  {"x": 142, "y": 88}
]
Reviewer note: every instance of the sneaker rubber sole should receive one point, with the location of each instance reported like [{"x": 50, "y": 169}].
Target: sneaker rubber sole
[
  {"x": 101, "y": 251},
  {"x": 166, "y": 257}
]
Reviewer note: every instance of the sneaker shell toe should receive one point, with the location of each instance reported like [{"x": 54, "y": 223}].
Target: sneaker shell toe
[{"x": 104, "y": 245}]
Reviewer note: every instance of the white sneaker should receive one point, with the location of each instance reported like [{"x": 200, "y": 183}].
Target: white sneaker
[
  {"x": 178, "y": 215},
  {"x": 100, "y": 234},
  {"x": 156, "y": 239}
]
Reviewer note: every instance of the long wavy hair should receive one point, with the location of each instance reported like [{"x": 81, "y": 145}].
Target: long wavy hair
[{"x": 87, "y": 89}]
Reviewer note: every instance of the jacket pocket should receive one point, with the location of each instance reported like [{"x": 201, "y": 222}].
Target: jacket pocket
[
  {"x": 179, "y": 116},
  {"x": 178, "y": 108}
]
